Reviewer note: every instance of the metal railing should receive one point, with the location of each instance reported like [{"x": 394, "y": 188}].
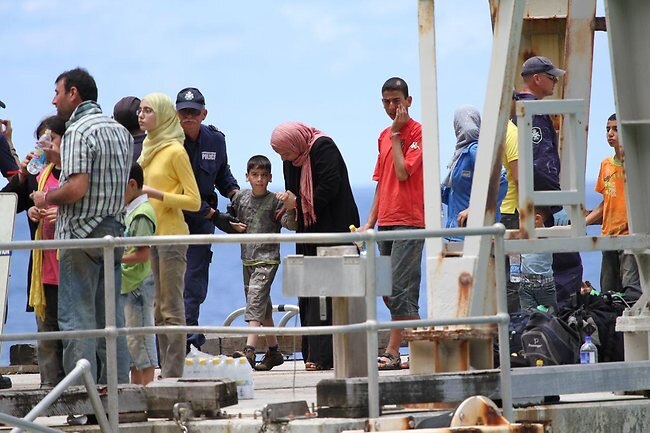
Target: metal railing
[
  {"x": 371, "y": 326},
  {"x": 289, "y": 310},
  {"x": 81, "y": 369}
]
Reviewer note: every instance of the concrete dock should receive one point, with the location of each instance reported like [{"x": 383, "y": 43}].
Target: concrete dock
[{"x": 577, "y": 413}]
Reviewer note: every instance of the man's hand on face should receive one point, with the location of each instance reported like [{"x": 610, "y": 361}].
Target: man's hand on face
[{"x": 401, "y": 117}]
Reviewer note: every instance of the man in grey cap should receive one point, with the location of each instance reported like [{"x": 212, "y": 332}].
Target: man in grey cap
[
  {"x": 206, "y": 147},
  {"x": 540, "y": 76}
]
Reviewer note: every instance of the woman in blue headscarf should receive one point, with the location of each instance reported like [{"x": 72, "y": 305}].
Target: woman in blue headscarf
[{"x": 457, "y": 186}]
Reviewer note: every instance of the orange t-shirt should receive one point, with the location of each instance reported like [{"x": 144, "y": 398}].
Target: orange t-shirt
[
  {"x": 611, "y": 184},
  {"x": 400, "y": 203}
]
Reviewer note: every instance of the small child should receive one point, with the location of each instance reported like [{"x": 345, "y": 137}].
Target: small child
[
  {"x": 261, "y": 211},
  {"x": 537, "y": 286},
  {"x": 138, "y": 287},
  {"x": 619, "y": 271}
]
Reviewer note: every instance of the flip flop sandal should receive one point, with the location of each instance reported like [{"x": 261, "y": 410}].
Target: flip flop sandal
[{"x": 388, "y": 361}]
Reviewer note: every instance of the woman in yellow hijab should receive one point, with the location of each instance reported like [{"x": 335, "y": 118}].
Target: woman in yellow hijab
[{"x": 170, "y": 184}]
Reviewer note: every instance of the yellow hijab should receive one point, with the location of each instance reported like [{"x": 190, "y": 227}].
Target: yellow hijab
[
  {"x": 167, "y": 130},
  {"x": 36, "y": 289}
]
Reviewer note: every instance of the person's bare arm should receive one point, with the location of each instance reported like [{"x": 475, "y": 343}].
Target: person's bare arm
[
  {"x": 372, "y": 214},
  {"x": 595, "y": 216},
  {"x": 70, "y": 192},
  {"x": 140, "y": 255}
]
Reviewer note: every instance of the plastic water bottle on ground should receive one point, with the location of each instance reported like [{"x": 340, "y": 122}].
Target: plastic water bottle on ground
[
  {"x": 361, "y": 245},
  {"x": 515, "y": 268},
  {"x": 202, "y": 368},
  {"x": 189, "y": 372},
  {"x": 588, "y": 352},
  {"x": 37, "y": 163},
  {"x": 244, "y": 379},
  {"x": 216, "y": 367},
  {"x": 228, "y": 369}
]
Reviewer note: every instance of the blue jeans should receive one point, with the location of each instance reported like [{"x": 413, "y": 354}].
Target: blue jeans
[
  {"x": 406, "y": 269},
  {"x": 81, "y": 304},
  {"x": 138, "y": 312}
]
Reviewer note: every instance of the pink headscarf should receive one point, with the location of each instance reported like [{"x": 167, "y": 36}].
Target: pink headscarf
[{"x": 297, "y": 138}]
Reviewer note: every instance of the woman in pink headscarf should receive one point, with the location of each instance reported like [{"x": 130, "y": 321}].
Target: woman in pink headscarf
[{"x": 314, "y": 170}]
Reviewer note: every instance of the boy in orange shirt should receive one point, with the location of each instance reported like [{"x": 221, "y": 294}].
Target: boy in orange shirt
[{"x": 619, "y": 271}]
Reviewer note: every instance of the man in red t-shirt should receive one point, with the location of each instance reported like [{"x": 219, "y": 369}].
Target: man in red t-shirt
[{"x": 399, "y": 205}]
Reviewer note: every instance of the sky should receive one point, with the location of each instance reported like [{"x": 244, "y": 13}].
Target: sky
[{"x": 259, "y": 63}]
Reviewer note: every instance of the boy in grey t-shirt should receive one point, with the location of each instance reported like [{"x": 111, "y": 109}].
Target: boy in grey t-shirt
[
  {"x": 537, "y": 287},
  {"x": 261, "y": 211}
]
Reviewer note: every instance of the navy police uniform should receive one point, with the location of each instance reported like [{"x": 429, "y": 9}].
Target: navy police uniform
[
  {"x": 567, "y": 267},
  {"x": 210, "y": 165}
]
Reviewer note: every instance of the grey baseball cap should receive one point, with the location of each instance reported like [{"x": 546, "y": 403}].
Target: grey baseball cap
[{"x": 540, "y": 65}]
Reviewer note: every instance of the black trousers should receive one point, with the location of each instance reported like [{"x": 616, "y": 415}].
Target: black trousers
[{"x": 316, "y": 348}]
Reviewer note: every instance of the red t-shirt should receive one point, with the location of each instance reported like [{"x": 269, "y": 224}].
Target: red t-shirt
[{"x": 400, "y": 203}]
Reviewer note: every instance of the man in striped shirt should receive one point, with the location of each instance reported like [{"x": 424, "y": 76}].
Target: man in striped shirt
[{"x": 95, "y": 157}]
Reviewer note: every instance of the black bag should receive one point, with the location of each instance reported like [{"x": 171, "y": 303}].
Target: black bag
[
  {"x": 596, "y": 315},
  {"x": 516, "y": 327},
  {"x": 550, "y": 339}
]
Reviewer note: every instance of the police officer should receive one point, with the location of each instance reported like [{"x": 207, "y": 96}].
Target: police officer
[
  {"x": 206, "y": 147},
  {"x": 540, "y": 77}
]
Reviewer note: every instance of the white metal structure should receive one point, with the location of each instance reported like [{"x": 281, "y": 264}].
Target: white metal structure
[
  {"x": 628, "y": 31},
  {"x": 7, "y": 216},
  {"x": 463, "y": 283}
]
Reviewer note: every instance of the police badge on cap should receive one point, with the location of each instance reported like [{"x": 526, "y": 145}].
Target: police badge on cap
[{"x": 190, "y": 97}]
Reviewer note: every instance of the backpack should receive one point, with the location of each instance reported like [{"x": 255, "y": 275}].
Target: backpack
[
  {"x": 516, "y": 327},
  {"x": 596, "y": 315},
  {"x": 550, "y": 339}
]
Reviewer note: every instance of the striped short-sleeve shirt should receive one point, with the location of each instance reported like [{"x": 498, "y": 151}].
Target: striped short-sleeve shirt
[{"x": 96, "y": 145}]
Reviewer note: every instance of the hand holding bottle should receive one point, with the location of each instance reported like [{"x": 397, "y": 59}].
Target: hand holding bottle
[{"x": 38, "y": 159}]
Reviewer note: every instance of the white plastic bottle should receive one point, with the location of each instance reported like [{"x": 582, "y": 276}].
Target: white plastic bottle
[
  {"x": 216, "y": 370},
  {"x": 588, "y": 352},
  {"x": 244, "y": 379},
  {"x": 515, "y": 268},
  {"x": 229, "y": 368},
  {"x": 361, "y": 245},
  {"x": 202, "y": 368},
  {"x": 189, "y": 372},
  {"x": 36, "y": 164}
]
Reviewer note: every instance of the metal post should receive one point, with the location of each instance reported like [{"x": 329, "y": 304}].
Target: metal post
[
  {"x": 430, "y": 145},
  {"x": 372, "y": 344},
  {"x": 111, "y": 337},
  {"x": 82, "y": 368},
  {"x": 502, "y": 310}
]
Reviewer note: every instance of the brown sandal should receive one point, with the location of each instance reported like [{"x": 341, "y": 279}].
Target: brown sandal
[
  {"x": 388, "y": 361},
  {"x": 312, "y": 366}
]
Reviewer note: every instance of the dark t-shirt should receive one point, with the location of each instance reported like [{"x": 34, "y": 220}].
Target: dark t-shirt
[
  {"x": 7, "y": 162},
  {"x": 546, "y": 158}
]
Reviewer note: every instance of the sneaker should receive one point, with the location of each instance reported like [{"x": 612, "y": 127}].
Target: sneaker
[
  {"x": 248, "y": 352},
  {"x": 5, "y": 382},
  {"x": 271, "y": 359}
]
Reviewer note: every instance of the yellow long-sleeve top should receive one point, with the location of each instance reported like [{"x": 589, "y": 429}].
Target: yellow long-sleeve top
[{"x": 171, "y": 173}]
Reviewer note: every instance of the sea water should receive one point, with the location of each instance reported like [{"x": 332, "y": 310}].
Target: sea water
[{"x": 226, "y": 292}]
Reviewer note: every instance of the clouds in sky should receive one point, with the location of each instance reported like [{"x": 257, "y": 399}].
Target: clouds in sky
[{"x": 258, "y": 63}]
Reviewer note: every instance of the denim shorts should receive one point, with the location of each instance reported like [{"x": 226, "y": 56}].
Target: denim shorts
[
  {"x": 406, "y": 269},
  {"x": 138, "y": 311},
  {"x": 257, "y": 287}
]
